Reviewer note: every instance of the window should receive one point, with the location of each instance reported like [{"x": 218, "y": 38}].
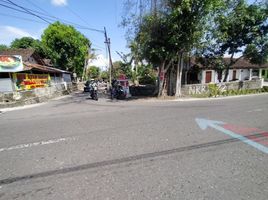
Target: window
[{"x": 255, "y": 72}]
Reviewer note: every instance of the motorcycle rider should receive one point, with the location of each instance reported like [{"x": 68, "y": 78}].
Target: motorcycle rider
[
  {"x": 94, "y": 89},
  {"x": 117, "y": 90}
]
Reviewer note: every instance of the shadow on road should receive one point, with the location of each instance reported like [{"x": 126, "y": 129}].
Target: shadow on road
[{"x": 121, "y": 160}]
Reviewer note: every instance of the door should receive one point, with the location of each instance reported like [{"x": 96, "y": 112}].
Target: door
[
  {"x": 234, "y": 74},
  {"x": 208, "y": 76}
]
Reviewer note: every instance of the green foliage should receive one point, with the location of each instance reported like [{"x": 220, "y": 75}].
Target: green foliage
[
  {"x": 213, "y": 90},
  {"x": 3, "y": 47},
  {"x": 238, "y": 28},
  {"x": 66, "y": 47},
  {"x": 29, "y": 43},
  {"x": 104, "y": 75},
  {"x": 153, "y": 40},
  {"x": 24, "y": 43},
  {"x": 146, "y": 75},
  {"x": 120, "y": 68},
  {"x": 265, "y": 89},
  {"x": 93, "y": 72}
]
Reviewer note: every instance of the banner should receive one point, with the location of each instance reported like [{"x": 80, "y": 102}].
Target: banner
[
  {"x": 31, "y": 81},
  {"x": 10, "y": 63}
]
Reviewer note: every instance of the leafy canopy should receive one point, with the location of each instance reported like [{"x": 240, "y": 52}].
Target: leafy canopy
[
  {"x": 93, "y": 72},
  {"x": 178, "y": 28},
  {"x": 28, "y": 42},
  {"x": 66, "y": 47}
]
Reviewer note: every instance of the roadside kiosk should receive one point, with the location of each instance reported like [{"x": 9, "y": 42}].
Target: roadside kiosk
[{"x": 123, "y": 81}]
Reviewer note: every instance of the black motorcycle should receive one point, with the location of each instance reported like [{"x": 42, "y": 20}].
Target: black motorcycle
[
  {"x": 118, "y": 92},
  {"x": 94, "y": 94}
]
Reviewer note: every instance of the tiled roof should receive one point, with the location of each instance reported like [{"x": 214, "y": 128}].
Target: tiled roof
[
  {"x": 24, "y": 53},
  {"x": 240, "y": 64},
  {"x": 31, "y": 66}
]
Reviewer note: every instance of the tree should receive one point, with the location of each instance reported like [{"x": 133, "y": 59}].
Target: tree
[
  {"x": 28, "y": 42},
  {"x": 172, "y": 34},
  {"x": 239, "y": 31},
  {"x": 104, "y": 75},
  {"x": 93, "y": 72},
  {"x": 120, "y": 68},
  {"x": 66, "y": 47},
  {"x": 24, "y": 43},
  {"x": 3, "y": 47}
]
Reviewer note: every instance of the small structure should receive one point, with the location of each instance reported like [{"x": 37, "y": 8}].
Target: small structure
[
  {"x": 124, "y": 82},
  {"x": 23, "y": 69}
]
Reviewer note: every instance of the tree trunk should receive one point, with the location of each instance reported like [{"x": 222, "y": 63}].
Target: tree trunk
[
  {"x": 179, "y": 75},
  {"x": 161, "y": 78},
  {"x": 226, "y": 73},
  {"x": 228, "y": 67}
]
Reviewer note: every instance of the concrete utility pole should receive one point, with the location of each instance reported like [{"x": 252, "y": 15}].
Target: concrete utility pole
[{"x": 107, "y": 42}]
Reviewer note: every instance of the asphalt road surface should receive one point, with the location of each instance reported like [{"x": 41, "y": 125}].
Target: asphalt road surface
[{"x": 76, "y": 148}]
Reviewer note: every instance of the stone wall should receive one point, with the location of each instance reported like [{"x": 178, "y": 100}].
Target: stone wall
[
  {"x": 11, "y": 99},
  {"x": 203, "y": 88}
]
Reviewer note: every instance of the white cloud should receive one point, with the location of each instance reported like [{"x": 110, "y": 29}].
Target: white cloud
[
  {"x": 9, "y": 33},
  {"x": 59, "y": 2},
  {"x": 100, "y": 62}
]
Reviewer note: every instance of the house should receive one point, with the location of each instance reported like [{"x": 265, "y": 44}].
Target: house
[
  {"x": 242, "y": 70},
  {"x": 23, "y": 69}
]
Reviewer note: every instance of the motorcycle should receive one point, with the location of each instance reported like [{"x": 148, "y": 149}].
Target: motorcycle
[
  {"x": 92, "y": 88},
  {"x": 118, "y": 92},
  {"x": 94, "y": 91}
]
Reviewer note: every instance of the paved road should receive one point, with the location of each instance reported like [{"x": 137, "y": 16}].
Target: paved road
[{"x": 75, "y": 148}]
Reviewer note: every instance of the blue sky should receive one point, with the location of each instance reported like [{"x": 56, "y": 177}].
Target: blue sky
[
  {"x": 92, "y": 13},
  {"x": 95, "y": 14}
]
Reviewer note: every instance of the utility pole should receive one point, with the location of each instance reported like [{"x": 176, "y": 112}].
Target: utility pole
[{"x": 107, "y": 42}]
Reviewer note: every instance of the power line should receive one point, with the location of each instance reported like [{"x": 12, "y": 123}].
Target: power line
[
  {"x": 49, "y": 17},
  {"x": 21, "y": 18},
  {"x": 28, "y": 11},
  {"x": 45, "y": 16}
]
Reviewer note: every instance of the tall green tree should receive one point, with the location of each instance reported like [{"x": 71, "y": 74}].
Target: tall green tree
[
  {"x": 66, "y": 47},
  {"x": 172, "y": 34},
  {"x": 240, "y": 30},
  {"x": 28, "y": 42},
  {"x": 3, "y": 47}
]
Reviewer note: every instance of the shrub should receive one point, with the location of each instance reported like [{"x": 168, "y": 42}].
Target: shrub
[{"x": 213, "y": 90}]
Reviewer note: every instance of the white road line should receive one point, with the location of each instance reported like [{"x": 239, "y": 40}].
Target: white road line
[
  {"x": 23, "y": 146},
  {"x": 255, "y": 110}
]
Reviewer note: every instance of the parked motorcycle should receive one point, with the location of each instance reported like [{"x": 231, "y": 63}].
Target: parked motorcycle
[{"x": 118, "y": 92}]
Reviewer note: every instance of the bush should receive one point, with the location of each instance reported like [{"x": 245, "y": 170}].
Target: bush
[
  {"x": 147, "y": 80},
  {"x": 265, "y": 89},
  {"x": 213, "y": 90}
]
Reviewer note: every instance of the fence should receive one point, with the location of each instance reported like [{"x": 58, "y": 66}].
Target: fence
[
  {"x": 24, "y": 97},
  {"x": 204, "y": 88}
]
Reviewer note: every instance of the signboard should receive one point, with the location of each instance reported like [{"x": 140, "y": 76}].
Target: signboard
[
  {"x": 31, "y": 81},
  {"x": 10, "y": 63}
]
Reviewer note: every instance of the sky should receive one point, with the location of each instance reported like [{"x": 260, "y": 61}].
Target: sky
[{"x": 95, "y": 14}]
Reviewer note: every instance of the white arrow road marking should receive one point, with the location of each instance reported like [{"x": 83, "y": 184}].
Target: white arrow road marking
[
  {"x": 204, "y": 123},
  {"x": 23, "y": 146}
]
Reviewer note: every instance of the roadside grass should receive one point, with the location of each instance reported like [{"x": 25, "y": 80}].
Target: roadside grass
[{"x": 215, "y": 92}]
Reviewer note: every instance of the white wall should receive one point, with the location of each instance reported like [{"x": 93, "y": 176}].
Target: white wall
[
  {"x": 5, "y": 85},
  {"x": 244, "y": 74}
]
